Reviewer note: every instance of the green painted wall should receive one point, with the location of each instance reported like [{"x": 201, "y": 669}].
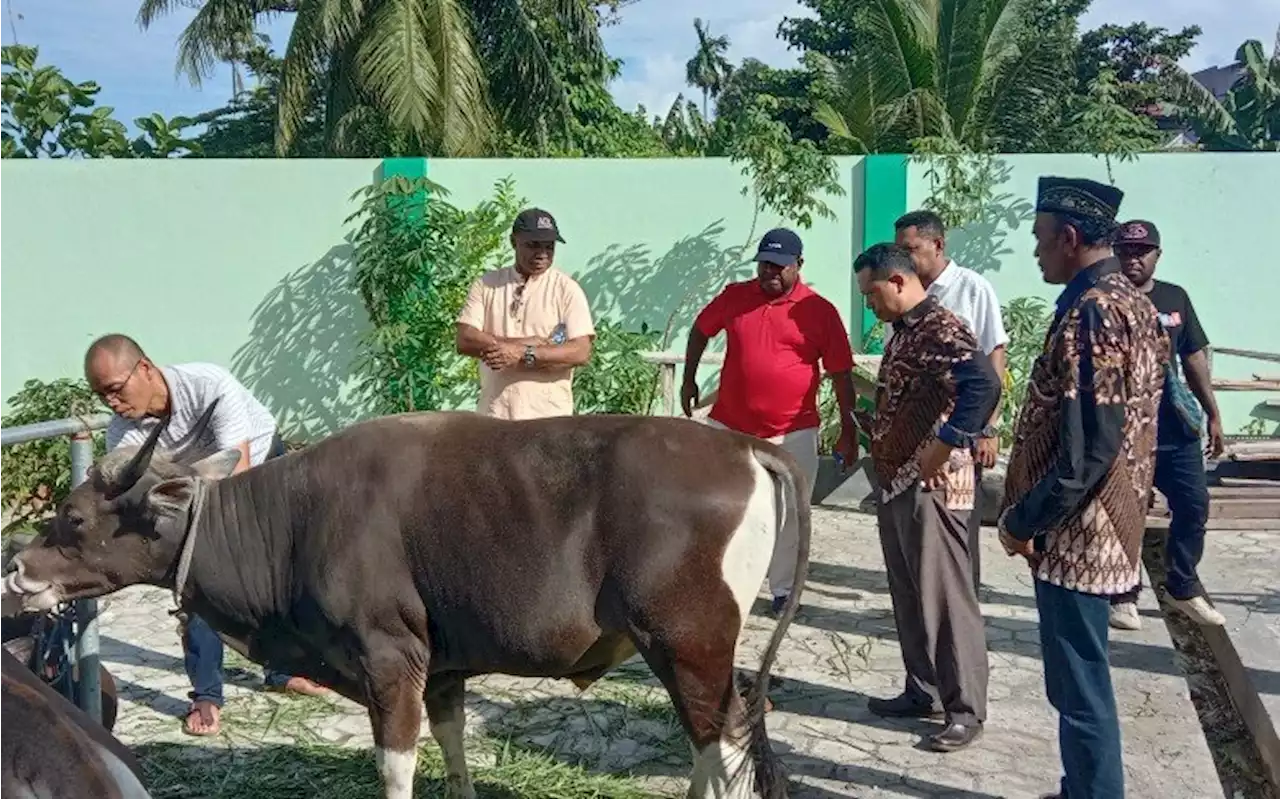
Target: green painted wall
[
  {"x": 1214, "y": 213},
  {"x": 246, "y": 263},
  {"x": 242, "y": 263}
]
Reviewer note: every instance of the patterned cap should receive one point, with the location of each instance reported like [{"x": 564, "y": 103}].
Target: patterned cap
[
  {"x": 1078, "y": 197},
  {"x": 1138, "y": 233}
]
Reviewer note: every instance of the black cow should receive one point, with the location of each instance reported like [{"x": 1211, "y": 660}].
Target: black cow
[
  {"x": 397, "y": 558},
  {"x": 52, "y": 748}
]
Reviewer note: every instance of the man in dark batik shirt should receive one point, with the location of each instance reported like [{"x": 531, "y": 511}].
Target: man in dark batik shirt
[
  {"x": 1081, "y": 466},
  {"x": 936, "y": 391}
]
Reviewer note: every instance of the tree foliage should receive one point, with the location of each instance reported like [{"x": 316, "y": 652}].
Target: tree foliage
[
  {"x": 1248, "y": 117},
  {"x": 47, "y": 115}
]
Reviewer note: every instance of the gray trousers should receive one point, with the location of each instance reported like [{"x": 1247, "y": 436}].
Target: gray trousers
[{"x": 935, "y": 607}]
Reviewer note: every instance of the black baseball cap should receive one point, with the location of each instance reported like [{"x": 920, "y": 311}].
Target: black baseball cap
[
  {"x": 1137, "y": 233},
  {"x": 537, "y": 225},
  {"x": 780, "y": 246}
]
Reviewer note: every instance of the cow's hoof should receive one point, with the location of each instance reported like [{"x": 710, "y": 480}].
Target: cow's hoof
[{"x": 459, "y": 788}]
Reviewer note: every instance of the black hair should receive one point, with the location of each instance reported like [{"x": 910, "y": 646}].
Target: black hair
[
  {"x": 883, "y": 260},
  {"x": 1094, "y": 232},
  {"x": 927, "y": 222}
]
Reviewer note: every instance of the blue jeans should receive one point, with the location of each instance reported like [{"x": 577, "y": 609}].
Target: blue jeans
[
  {"x": 203, "y": 649},
  {"x": 1180, "y": 476},
  {"x": 1077, "y": 679}
]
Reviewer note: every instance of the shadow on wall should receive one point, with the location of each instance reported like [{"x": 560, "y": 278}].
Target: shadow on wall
[
  {"x": 301, "y": 352},
  {"x": 981, "y": 244}
]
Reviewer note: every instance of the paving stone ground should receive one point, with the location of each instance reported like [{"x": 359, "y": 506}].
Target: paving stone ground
[{"x": 841, "y": 649}]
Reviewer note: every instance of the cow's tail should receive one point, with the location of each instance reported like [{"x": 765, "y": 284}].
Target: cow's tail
[{"x": 794, "y": 495}]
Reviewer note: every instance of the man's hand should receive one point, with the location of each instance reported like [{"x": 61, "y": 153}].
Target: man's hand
[
  {"x": 502, "y": 355},
  {"x": 1013, "y": 546},
  {"x": 933, "y": 461},
  {"x": 1216, "y": 444},
  {"x": 688, "y": 397},
  {"x": 847, "y": 447},
  {"x": 988, "y": 449}
]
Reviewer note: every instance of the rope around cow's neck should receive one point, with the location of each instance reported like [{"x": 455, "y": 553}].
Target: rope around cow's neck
[{"x": 189, "y": 543}]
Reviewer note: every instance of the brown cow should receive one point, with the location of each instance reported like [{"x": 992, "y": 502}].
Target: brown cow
[
  {"x": 395, "y": 559},
  {"x": 52, "y": 748},
  {"x": 19, "y": 637}
]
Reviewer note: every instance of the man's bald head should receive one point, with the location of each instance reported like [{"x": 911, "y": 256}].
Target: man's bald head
[
  {"x": 116, "y": 345},
  {"x": 119, "y": 372}
]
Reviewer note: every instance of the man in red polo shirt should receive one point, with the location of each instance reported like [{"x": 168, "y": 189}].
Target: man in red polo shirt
[{"x": 778, "y": 329}]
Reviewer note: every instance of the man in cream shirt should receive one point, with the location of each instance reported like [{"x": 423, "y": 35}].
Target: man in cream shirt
[
  {"x": 529, "y": 325},
  {"x": 971, "y": 297}
]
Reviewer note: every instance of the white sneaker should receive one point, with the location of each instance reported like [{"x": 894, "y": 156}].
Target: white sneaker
[
  {"x": 1198, "y": 609},
  {"x": 1124, "y": 616}
]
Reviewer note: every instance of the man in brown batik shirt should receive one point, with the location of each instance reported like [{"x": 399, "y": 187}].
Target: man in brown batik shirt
[
  {"x": 1081, "y": 468},
  {"x": 936, "y": 390}
]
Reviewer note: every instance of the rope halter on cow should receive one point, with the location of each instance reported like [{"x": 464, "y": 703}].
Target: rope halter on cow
[{"x": 198, "y": 492}]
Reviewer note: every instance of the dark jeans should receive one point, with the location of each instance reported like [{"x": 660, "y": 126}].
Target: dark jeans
[
  {"x": 1077, "y": 679},
  {"x": 1180, "y": 476},
  {"x": 203, "y": 649}
]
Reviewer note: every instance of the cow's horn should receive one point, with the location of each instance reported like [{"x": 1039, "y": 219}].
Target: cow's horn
[
  {"x": 137, "y": 465},
  {"x": 204, "y": 420}
]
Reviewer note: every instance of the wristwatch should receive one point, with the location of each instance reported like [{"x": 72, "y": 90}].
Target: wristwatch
[
  {"x": 528, "y": 355},
  {"x": 990, "y": 431}
]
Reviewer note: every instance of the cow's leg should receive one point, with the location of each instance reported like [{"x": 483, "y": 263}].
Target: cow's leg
[
  {"x": 691, "y": 649},
  {"x": 395, "y": 680},
  {"x": 446, "y": 714}
]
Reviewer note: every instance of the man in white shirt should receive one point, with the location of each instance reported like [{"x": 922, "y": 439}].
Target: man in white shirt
[
  {"x": 971, "y": 297},
  {"x": 140, "y": 394}
]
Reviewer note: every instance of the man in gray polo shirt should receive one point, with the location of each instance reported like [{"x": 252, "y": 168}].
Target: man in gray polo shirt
[
  {"x": 971, "y": 297},
  {"x": 139, "y": 394}
]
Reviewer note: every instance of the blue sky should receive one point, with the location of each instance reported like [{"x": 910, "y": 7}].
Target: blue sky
[{"x": 101, "y": 40}]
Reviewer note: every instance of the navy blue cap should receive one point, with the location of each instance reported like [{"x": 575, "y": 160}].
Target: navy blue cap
[{"x": 780, "y": 246}]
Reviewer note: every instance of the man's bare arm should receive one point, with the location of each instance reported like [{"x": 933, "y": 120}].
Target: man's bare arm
[
  {"x": 999, "y": 362},
  {"x": 473, "y": 341},
  {"x": 1196, "y": 365},
  {"x": 574, "y": 352}
]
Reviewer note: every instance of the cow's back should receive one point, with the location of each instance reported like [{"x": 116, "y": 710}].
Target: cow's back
[
  {"x": 518, "y": 533},
  {"x": 51, "y": 745}
]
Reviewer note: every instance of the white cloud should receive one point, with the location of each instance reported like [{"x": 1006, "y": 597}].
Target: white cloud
[{"x": 100, "y": 40}]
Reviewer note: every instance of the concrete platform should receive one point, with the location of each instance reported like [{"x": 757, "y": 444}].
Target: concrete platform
[
  {"x": 1241, "y": 571},
  {"x": 840, "y": 650}
]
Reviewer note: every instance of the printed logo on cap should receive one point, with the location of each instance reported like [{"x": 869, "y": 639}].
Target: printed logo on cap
[
  {"x": 544, "y": 223},
  {"x": 1135, "y": 232}
]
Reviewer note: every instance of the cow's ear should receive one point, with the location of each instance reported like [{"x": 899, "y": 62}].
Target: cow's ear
[
  {"x": 218, "y": 465},
  {"x": 169, "y": 498}
]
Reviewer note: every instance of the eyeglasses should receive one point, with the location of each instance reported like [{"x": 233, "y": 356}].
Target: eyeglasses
[{"x": 114, "y": 391}]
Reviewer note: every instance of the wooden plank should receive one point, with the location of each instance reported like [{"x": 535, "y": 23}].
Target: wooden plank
[
  {"x": 1244, "y": 482},
  {"x": 1254, "y": 445},
  {"x": 1246, "y": 385},
  {"x": 1274, "y": 357},
  {"x": 1256, "y": 457}
]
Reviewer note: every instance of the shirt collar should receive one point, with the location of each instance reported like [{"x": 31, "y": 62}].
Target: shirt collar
[
  {"x": 1084, "y": 280},
  {"x": 912, "y": 318},
  {"x": 947, "y": 275},
  {"x": 798, "y": 292}
]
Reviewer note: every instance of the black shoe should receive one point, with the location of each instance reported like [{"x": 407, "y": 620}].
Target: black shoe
[
  {"x": 903, "y": 706},
  {"x": 955, "y": 737}
]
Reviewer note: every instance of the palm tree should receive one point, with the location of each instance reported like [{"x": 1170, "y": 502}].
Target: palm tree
[
  {"x": 967, "y": 71},
  {"x": 708, "y": 70},
  {"x": 418, "y": 76},
  {"x": 1248, "y": 117}
]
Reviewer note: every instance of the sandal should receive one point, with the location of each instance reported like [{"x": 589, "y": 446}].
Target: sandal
[{"x": 209, "y": 716}]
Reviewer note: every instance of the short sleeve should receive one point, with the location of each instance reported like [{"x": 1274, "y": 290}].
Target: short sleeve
[
  {"x": 1193, "y": 335},
  {"x": 715, "y": 316},
  {"x": 837, "y": 354},
  {"x": 577, "y": 313},
  {"x": 230, "y": 422},
  {"x": 472, "y": 312},
  {"x": 990, "y": 324},
  {"x": 120, "y": 432}
]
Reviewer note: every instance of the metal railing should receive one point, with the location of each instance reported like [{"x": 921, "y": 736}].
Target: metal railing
[
  {"x": 863, "y": 376},
  {"x": 88, "y": 659}
]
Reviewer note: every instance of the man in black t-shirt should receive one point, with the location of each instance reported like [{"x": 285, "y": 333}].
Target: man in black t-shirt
[{"x": 1180, "y": 470}]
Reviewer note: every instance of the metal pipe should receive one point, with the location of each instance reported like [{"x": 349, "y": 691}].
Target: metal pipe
[
  {"x": 23, "y": 433},
  {"x": 88, "y": 660}
]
